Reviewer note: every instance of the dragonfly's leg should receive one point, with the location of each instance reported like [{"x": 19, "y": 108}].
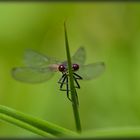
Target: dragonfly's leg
[
  {"x": 67, "y": 87},
  {"x": 77, "y": 98},
  {"x": 77, "y": 76},
  {"x": 62, "y": 83},
  {"x": 77, "y": 84},
  {"x": 61, "y": 79}
]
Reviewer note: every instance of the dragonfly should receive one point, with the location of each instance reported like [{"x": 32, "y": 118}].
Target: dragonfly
[{"x": 40, "y": 68}]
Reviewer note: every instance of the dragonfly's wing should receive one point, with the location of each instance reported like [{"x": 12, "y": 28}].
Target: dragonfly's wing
[
  {"x": 80, "y": 56},
  {"x": 91, "y": 71},
  {"x": 32, "y": 75},
  {"x": 35, "y": 59}
]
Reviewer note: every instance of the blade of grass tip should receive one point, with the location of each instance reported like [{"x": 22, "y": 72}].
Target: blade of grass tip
[
  {"x": 33, "y": 124},
  {"x": 72, "y": 87}
]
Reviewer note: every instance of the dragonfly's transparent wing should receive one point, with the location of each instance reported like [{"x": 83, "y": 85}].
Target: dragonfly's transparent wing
[
  {"x": 32, "y": 75},
  {"x": 91, "y": 71},
  {"x": 35, "y": 59},
  {"x": 80, "y": 56}
]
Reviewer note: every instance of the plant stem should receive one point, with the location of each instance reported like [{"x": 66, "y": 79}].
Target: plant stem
[{"x": 72, "y": 87}]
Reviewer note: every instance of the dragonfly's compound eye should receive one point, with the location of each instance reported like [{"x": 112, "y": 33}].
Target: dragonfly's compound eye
[
  {"x": 75, "y": 67},
  {"x": 61, "y": 68}
]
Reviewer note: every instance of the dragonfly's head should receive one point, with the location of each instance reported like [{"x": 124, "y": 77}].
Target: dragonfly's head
[
  {"x": 63, "y": 67},
  {"x": 75, "y": 67}
]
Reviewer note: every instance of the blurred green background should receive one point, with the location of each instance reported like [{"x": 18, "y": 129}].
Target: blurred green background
[{"x": 110, "y": 32}]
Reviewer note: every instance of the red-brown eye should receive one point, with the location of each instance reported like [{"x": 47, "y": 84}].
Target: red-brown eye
[
  {"x": 61, "y": 68},
  {"x": 75, "y": 67}
]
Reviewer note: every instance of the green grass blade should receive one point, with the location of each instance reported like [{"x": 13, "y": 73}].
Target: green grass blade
[
  {"x": 33, "y": 124},
  {"x": 72, "y": 87},
  {"x": 24, "y": 125}
]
